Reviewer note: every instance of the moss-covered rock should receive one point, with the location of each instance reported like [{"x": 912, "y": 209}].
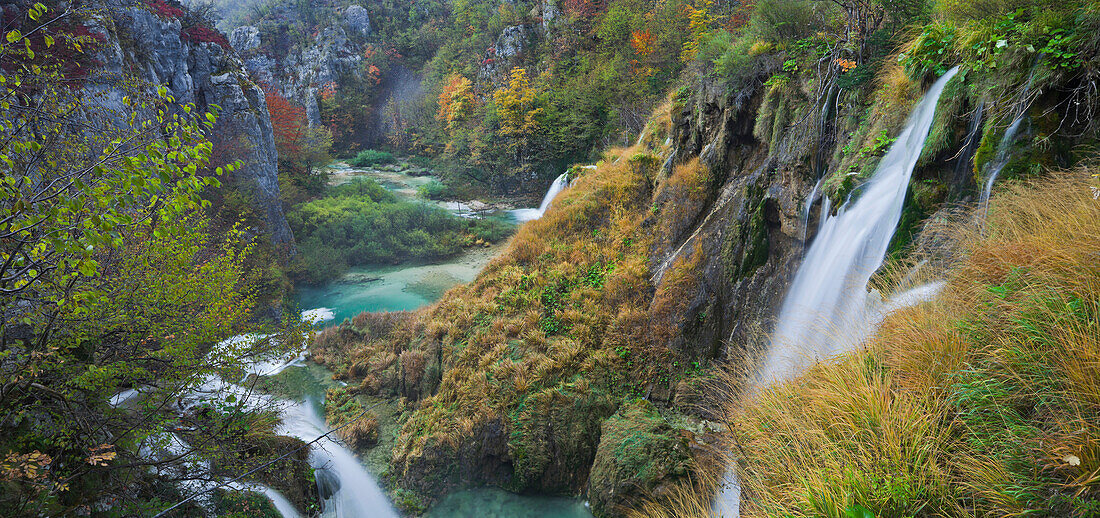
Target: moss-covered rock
[
  {"x": 639, "y": 455},
  {"x": 554, "y": 437}
]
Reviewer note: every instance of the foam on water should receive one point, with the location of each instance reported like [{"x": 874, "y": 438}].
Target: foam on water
[{"x": 559, "y": 185}]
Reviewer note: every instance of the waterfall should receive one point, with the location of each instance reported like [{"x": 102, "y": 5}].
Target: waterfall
[
  {"x": 808, "y": 204},
  {"x": 347, "y": 489},
  {"x": 1001, "y": 159},
  {"x": 828, "y": 307},
  {"x": 970, "y": 145},
  {"x": 559, "y": 185},
  {"x": 345, "y": 486}
]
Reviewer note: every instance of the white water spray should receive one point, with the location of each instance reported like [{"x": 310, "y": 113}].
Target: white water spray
[
  {"x": 828, "y": 307},
  {"x": 559, "y": 185},
  {"x": 347, "y": 489}
]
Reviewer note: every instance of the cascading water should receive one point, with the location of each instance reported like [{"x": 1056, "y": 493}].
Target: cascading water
[
  {"x": 347, "y": 489},
  {"x": 970, "y": 145},
  {"x": 809, "y": 205},
  {"x": 828, "y": 306},
  {"x": 1000, "y": 160},
  {"x": 559, "y": 185}
]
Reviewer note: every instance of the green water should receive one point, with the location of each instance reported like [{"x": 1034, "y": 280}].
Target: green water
[
  {"x": 393, "y": 288},
  {"x": 495, "y": 503},
  {"x": 305, "y": 381},
  {"x": 401, "y": 288}
]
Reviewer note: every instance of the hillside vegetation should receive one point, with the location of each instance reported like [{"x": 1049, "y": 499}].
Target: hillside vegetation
[
  {"x": 543, "y": 345},
  {"x": 663, "y": 267},
  {"x": 982, "y": 402},
  {"x": 504, "y": 96}
]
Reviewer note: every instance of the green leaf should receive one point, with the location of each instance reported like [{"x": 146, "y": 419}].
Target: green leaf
[{"x": 858, "y": 511}]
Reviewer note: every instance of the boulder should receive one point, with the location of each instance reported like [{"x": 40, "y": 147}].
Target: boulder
[
  {"x": 357, "y": 20},
  {"x": 245, "y": 38},
  {"x": 639, "y": 455}
]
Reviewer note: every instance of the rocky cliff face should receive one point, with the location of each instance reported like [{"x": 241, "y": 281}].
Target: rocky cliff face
[
  {"x": 335, "y": 53},
  {"x": 154, "y": 50}
]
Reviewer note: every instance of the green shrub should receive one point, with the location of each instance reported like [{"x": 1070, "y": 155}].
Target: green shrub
[
  {"x": 371, "y": 157},
  {"x": 242, "y": 504},
  {"x": 361, "y": 223},
  {"x": 784, "y": 21},
  {"x": 436, "y": 190}
]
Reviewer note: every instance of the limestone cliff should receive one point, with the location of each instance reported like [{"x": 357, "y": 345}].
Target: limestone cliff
[
  {"x": 334, "y": 55},
  {"x": 151, "y": 48}
]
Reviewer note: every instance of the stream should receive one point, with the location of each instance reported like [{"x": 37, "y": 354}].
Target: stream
[{"x": 348, "y": 487}]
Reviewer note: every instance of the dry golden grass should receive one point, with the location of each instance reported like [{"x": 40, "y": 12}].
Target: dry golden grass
[
  {"x": 680, "y": 200},
  {"x": 564, "y": 307},
  {"x": 984, "y": 402}
]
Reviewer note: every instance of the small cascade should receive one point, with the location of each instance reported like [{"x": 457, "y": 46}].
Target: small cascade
[
  {"x": 559, "y": 185},
  {"x": 826, "y": 139},
  {"x": 828, "y": 307},
  {"x": 826, "y": 129},
  {"x": 973, "y": 138},
  {"x": 1000, "y": 160},
  {"x": 346, "y": 489},
  {"x": 318, "y": 315},
  {"x": 808, "y": 205}
]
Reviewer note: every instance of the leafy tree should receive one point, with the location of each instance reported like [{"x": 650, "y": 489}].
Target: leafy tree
[
  {"x": 701, "y": 22},
  {"x": 457, "y": 101},
  {"x": 516, "y": 105},
  {"x": 301, "y": 147},
  {"x": 110, "y": 279}
]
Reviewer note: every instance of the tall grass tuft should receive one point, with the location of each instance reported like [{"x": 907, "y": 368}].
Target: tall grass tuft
[{"x": 983, "y": 402}]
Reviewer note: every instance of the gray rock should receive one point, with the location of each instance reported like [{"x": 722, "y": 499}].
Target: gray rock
[
  {"x": 357, "y": 20},
  {"x": 550, "y": 13},
  {"x": 505, "y": 54},
  {"x": 331, "y": 57},
  {"x": 245, "y": 38},
  {"x": 205, "y": 75},
  {"x": 262, "y": 68}
]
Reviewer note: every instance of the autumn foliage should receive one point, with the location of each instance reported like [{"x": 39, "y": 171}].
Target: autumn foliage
[
  {"x": 643, "y": 42},
  {"x": 288, "y": 122},
  {"x": 204, "y": 34},
  {"x": 165, "y": 10},
  {"x": 584, "y": 8},
  {"x": 456, "y": 101},
  {"x": 516, "y": 105}
]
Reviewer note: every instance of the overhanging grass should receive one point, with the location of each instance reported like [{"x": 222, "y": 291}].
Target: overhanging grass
[{"x": 984, "y": 402}]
